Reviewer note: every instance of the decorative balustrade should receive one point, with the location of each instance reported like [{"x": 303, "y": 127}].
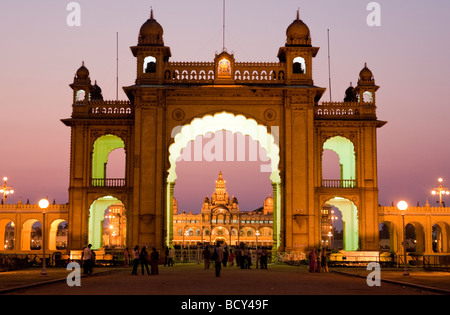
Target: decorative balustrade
[
  {"x": 102, "y": 109},
  {"x": 244, "y": 73},
  {"x": 345, "y": 110},
  {"x": 259, "y": 73},
  {"x": 338, "y": 183},
  {"x": 108, "y": 182},
  {"x": 189, "y": 72}
]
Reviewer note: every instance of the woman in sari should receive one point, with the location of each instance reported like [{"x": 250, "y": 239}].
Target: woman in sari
[{"x": 312, "y": 261}]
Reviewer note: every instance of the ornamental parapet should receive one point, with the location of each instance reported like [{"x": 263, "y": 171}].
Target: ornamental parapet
[
  {"x": 345, "y": 110},
  {"x": 31, "y": 208},
  {"x": 426, "y": 210},
  {"x": 102, "y": 109},
  {"x": 243, "y": 73}
]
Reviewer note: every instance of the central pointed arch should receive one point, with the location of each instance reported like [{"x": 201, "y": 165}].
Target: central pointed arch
[{"x": 233, "y": 123}]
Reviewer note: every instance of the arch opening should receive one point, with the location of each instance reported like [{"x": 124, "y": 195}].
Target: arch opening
[
  {"x": 107, "y": 223},
  {"x": 299, "y": 65},
  {"x": 235, "y": 124},
  {"x": 345, "y": 151},
  {"x": 7, "y": 234},
  {"x": 103, "y": 147},
  {"x": 350, "y": 222},
  {"x": 150, "y": 64},
  {"x": 440, "y": 237},
  {"x": 58, "y": 235}
]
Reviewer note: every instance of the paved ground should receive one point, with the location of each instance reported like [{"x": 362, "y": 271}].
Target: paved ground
[{"x": 193, "y": 280}]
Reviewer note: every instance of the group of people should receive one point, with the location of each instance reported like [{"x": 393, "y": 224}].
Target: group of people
[
  {"x": 226, "y": 257},
  {"x": 143, "y": 258},
  {"x": 318, "y": 261},
  {"x": 220, "y": 256}
]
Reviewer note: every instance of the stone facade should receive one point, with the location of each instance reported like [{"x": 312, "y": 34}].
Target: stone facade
[{"x": 277, "y": 104}]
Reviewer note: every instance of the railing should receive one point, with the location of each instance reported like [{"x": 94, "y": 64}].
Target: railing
[
  {"x": 102, "y": 109},
  {"x": 244, "y": 73},
  {"x": 338, "y": 183},
  {"x": 345, "y": 110},
  {"x": 260, "y": 73},
  {"x": 189, "y": 72},
  {"x": 436, "y": 262},
  {"x": 9, "y": 262},
  {"x": 108, "y": 182}
]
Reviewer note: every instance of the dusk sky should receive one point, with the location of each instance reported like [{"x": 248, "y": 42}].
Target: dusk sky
[{"x": 408, "y": 55}]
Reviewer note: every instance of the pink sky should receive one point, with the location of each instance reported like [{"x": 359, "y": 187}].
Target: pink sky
[{"x": 408, "y": 55}]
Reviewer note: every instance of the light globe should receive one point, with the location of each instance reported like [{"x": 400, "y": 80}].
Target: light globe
[{"x": 402, "y": 205}]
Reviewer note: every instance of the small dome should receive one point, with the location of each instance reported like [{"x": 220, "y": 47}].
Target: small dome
[
  {"x": 366, "y": 74},
  {"x": 82, "y": 73},
  {"x": 298, "y": 33},
  {"x": 96, "y": 92},
  {"x": 350, "y": 94},
  {"x": 151, "y": 32},
  {"x": 268, "y": 201}
]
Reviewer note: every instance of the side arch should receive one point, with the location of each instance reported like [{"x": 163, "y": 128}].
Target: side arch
[{"x": 103, "y": 146}]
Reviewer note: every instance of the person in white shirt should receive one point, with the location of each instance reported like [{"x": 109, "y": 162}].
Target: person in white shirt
[
  {"x": 170, "y": 260},
  {"x": 135, "y": 260}
]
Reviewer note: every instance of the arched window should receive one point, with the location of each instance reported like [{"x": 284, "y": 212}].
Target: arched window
[
  {"x": 103, "y": 146},
  {"x": 7, "y": 232},
  {"x": 150, "y": 64},
  {"x": 367, "y": 97},
  {"x": 299, "y": 65},
  {"x": 80, "y": 96},
  {"x": 345, "y": 152}
]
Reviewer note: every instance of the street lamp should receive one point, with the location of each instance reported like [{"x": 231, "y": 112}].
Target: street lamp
[
  {"x": 6, "y": 190},
  {"x": 331, "y": 235},
  {"x": 43, "y": 204},
  {"x": 440, "y": 191},
  {"x": 402, "y": 206}
]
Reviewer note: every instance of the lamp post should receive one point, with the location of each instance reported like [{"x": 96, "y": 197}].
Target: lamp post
[
  {"x": 43, "y": 204},
  {"x": 440, "y": 191},
  {"x": 402, "y": 206},
  {"x": 257, "y": 234},
  {"x": 333, "y": 217},
  {"x": 5, "y": 190}
]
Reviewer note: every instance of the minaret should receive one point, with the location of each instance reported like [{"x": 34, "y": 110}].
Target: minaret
[
  {"x": 150, "y": 52},
  {"x": 220, "y": 195},
  {"x": 298, "y": 53}
]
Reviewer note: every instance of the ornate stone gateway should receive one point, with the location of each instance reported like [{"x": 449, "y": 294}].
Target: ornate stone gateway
[{"x": 277, "y": 104}]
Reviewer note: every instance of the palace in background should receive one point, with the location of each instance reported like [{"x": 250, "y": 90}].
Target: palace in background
[{"x": 221, "y": 221}]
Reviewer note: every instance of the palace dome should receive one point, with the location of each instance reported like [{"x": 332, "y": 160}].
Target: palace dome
[
  {"x": 268, "y": 201},
  {"x": 151, "y": 32},
  {"x": 82, "y": 73},
  {"x": 365, "y": 74},
  {"x": 298, "y": 33}
]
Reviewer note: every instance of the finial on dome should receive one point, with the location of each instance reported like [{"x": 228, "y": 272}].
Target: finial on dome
[
  {"x": 151, "y": 13},
  {"x": 298, "y": 14}
]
